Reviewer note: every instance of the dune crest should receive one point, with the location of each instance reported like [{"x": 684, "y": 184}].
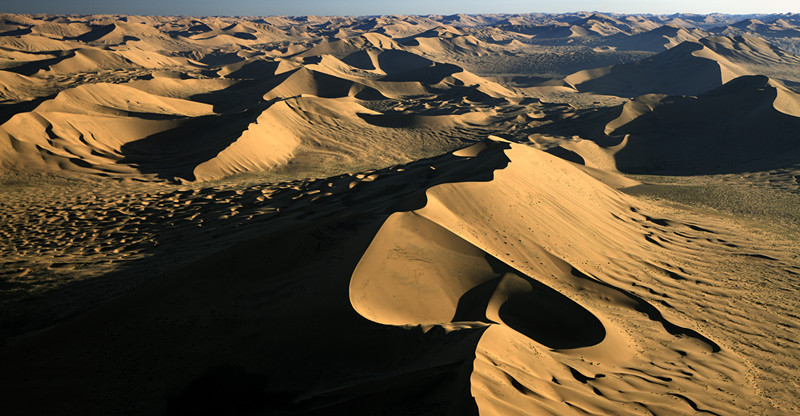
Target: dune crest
[{"x": 529, "y": 252}]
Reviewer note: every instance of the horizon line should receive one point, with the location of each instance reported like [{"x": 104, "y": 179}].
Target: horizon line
[{"x": 404, "y": 14}]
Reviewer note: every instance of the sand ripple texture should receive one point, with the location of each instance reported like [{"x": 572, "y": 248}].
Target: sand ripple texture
[{"x": 496, "y": 279}]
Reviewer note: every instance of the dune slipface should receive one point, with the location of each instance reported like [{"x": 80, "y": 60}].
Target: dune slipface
[{"x": 551, "y": 261}]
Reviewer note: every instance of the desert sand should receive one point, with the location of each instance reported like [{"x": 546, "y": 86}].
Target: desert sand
[{"x": 563, "y": 214}]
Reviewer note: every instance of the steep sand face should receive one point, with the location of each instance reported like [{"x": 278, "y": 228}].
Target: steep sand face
[
  {"x": 551, "y": 260},
  {"x": 691, "y": 67},
  {"x": 86, "y": 128},
  {"x": 633, "y": 109},
  {"x": 265, "y": 143}
]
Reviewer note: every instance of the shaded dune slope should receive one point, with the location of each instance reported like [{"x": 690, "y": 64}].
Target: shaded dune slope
[
  {"x": 750, "y": 123},
  {"x": 109, "y": 129},
  {"x": 687, "y": 69},
  {"x": 690, "y": 68}
]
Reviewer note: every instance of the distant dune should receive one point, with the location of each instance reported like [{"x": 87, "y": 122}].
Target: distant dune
[
  {"x": 690, "y": 68},
  {"x": 748, "y": 124}
]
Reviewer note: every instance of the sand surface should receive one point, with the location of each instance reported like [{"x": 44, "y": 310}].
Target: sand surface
[{"x": 560, "y": 214}]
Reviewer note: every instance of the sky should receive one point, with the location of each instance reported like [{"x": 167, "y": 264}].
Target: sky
[{"x": 375, "y": 7}]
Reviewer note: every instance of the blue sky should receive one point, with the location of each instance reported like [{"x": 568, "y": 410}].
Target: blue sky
[{"x": 350, "y": 7}]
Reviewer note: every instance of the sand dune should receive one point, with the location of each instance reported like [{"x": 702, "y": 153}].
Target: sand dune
[
  {"x": 747, "y": 124},
  {"x": 143, "y": 126},
  {"x": 690, "y": 68},
  {"x": 658, "y": 39},
  {"x": 399, "y": 215},
  {"x": 666, "y": 73},
  {"x": 526, "y": 275}
]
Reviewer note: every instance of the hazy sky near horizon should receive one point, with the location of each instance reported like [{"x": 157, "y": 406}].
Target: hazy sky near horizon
[{"x": 350, "y": 7}]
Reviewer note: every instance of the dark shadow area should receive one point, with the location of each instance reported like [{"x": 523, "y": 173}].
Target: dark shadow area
[
  {"x": 403, "y": 391},
  {"x": 472, "y": 305},
  {"x": 731, "y": 129},
  {"x": 588, "y": 124},
  {"x": 9, "y": 110},
  {"x": 17, "y": 32},
  {"x": 360, "y": 60},
  {"x": 551, "y": 319},
  {"x": 227, "y": 391},
  {"x": 175, "y": 153},
  {"x": 542, "y": 314},
  {"x": 32, "y": 67},
  {"x": 391, "y": 119},
  {"x": 244, "y": 36},
  {"x": 240, "y": 96},
  {"x": 432, "y": 74},
  {"x": 95, "y": 33},
  {"x": 218, "y": 58},
  {"x": 329, "y": 86},
  {"x": 673, "y": 72},
  {"x": 370, "y": 94},
  {"x": 566, "y": 154},
  {"x": 396, "y": 61},
  {"x": 259, "y": 69},
  {"x": 545, "y": 315}
]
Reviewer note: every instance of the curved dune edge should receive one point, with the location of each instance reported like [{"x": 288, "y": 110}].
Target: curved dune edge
[
  {"x": 265, "y": 144},
  {"x": 549, "y": 259},
  {"x": 786, "y": 101}
]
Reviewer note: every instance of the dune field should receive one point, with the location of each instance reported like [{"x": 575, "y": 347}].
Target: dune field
[{"x": 532, "y": 214}]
